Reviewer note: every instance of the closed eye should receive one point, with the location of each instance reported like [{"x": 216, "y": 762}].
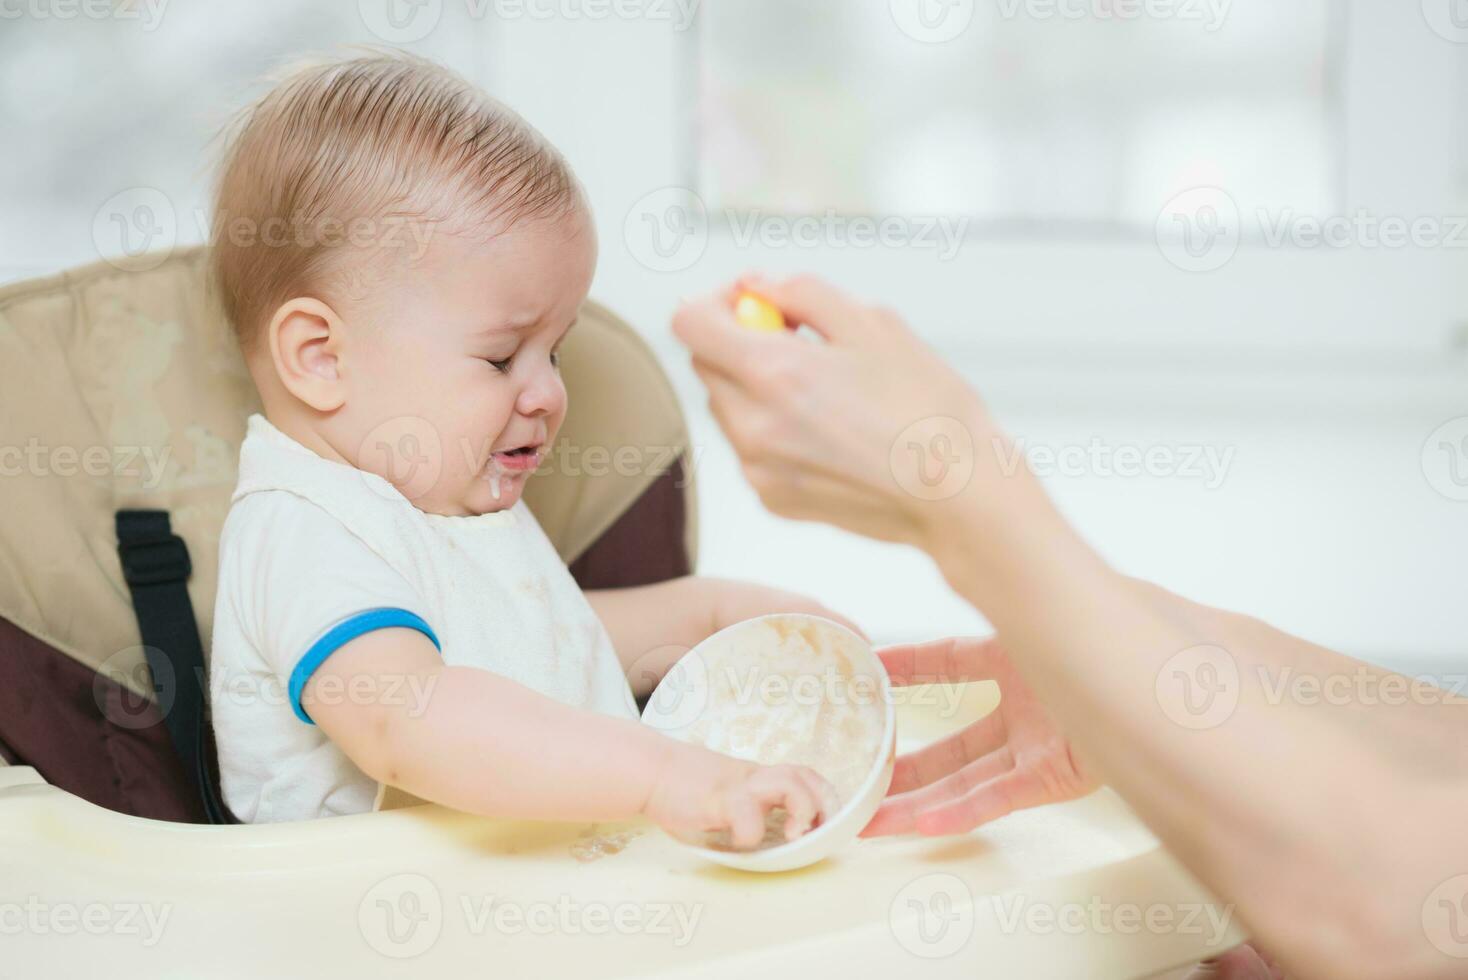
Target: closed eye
[{"x": 555, "y": 354}]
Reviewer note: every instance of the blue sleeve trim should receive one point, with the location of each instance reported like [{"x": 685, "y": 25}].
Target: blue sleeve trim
[{"x": 343, "y": 633}]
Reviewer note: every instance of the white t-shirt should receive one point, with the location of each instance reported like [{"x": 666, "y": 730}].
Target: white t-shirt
[{"x": 314, "y": 553}]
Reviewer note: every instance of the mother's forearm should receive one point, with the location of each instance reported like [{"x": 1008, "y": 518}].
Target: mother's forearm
[
  {"x": 1417, "y": 726},
  {"x": 1281, "y": 809}
]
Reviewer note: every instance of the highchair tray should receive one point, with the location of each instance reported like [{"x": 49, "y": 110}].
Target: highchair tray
[{"x": 1072, "y": 890}]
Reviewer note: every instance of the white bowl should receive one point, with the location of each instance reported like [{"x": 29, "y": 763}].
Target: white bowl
[{"x": 788, "y": 688}]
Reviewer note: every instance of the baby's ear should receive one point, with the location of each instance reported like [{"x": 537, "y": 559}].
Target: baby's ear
[{"x": 305, "y": 343}]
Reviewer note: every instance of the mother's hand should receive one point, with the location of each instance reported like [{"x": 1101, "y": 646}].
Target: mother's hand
[
  {"x": 1012, "y": 758},
  {"x": 870, "y": 431}
]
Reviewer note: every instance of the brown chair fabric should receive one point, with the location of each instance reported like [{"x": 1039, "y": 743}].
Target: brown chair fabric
[
  {"x": 87, "y": 734},
  {"x": 646, "y": 544}
]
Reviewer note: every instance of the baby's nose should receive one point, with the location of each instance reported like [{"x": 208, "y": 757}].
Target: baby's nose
[{"x": 542, "y": 395}]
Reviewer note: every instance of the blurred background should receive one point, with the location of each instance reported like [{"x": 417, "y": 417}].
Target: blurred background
[{"x": 1204, "y": 258}]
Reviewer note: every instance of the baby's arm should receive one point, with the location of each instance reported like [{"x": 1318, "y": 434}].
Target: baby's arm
[
  {"x": 653, "y": 625},
  {"x": 476, "y": 741}
]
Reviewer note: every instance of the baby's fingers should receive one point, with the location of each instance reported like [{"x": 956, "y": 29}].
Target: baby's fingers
[
  {"x": 746, "y": 822},
  {"x": 827, "y": 801},
  {"x": 801, "y": 807},
  {"x": 800, "y": 791}
]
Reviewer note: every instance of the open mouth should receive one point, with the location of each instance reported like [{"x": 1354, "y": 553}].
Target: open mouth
[{"x": 518, "y": 460}]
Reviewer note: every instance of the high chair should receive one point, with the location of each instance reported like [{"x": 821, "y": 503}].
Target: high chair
[{"x": 124, "y": 403}]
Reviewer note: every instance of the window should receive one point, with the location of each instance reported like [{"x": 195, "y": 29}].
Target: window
[
  {"x": 1058, "y": 118},
  {"x": 1283, "y": 182}
]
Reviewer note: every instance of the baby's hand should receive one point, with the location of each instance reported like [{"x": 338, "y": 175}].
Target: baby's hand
[{"x": 701, "y": 792}]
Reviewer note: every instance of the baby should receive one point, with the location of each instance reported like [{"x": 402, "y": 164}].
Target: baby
[{"x": 402, "y": 258}]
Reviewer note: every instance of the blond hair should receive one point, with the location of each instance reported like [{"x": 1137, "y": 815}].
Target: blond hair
[{"x": 340, "y": 152}]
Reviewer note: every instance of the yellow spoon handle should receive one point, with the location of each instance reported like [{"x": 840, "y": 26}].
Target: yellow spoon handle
[{"x": 757, "y": 313}]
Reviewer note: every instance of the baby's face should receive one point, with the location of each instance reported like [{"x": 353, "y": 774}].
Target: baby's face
[{"x": 454, "y": 386}]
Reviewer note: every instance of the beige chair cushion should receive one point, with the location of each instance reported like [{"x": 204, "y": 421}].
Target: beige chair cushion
[{"x": 127, "y": 389}]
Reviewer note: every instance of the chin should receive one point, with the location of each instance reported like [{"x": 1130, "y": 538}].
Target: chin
[{"x": 481, "y": 500}]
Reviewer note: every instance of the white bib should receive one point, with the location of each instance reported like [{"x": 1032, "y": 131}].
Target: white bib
[{"x": 492, "y": 588}]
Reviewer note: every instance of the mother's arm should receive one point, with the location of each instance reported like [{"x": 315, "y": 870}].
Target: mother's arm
[{"x": 1330, "y": 837}]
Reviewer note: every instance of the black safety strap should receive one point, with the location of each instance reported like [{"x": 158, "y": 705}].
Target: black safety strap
[{"x": 155, "y": 563}]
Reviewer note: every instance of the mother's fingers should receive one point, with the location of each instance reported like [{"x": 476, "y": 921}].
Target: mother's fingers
[
  {"x": 1239, "y": 963},
  {"x": 948, "y": 755},
  {"x": 741, "y": 416},
  {"x": 961, "y": 782},
  {"x": 706, "y": 326},
  {"x": 728, "y": 398},
  {"x": 952, "y": 660},
  {"x": 903, "y": 814},
  {"x": 828, "y": 311},
  {"x": 988, "y": 801}
]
